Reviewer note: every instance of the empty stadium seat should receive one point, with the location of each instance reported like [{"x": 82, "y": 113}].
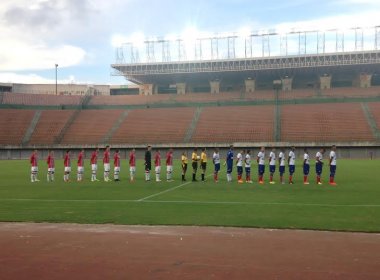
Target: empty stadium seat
[
  {"x": 41, "y": 99},
  {"x": 375, "y": 110},
  {"x": 49, "y": 126},
  {"x": 143, "y": 126},
  {"x": 91, "y": 126},
  {"x": 235, "y": 124},
  {"x": 333, "y": 122},
  {"x": 13, "y": 125}
]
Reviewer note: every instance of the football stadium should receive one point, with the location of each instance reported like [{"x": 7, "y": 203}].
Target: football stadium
[{"x": 243, "y": 155}]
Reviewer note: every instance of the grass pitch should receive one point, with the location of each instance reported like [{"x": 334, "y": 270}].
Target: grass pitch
[{"x": 354, "y": 205}]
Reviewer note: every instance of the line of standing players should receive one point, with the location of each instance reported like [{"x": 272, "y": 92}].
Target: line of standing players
[{"x": 243, "y": 159}]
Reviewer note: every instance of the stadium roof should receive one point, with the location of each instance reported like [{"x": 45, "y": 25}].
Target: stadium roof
[{"x": 310, "y": 66}]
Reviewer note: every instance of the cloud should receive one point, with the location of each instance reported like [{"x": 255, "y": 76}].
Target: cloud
[
  {"x": 339, "y": 21},
  {"x": 19, "y": 54},
  {"x": 27, "y": 31}
]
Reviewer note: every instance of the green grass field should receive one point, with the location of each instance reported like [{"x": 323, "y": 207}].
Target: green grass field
[{"x": 354, "y": 205}]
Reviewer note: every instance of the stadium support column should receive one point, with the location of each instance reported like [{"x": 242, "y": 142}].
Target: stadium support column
[
  {"x": 215, "y": 86},
  {"x": 325, "y": 82},
  {"x": 146, "y": 89},
  {"x": 287, "y": 83},
  {"x": 363, "y": 80},
  {"x": 249, "y": 85},
  {"x": 181, "y": 88}
]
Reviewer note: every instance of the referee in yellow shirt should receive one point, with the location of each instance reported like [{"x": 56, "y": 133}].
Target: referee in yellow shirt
[
  {"x": 184, "y": 166},
  {"x": 194, "y": 163},
  {"x": 203, "y": 163}
]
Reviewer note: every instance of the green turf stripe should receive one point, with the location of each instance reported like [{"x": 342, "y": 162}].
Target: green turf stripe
[{"x": 191, "y": 202}]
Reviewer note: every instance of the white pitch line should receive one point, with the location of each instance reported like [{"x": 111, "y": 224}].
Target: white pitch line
[
  {"x": 168, "y": 190},
  {"x": 260, "y": 203},
  {"x": 165, "y": 191},
  {"x": 193, "y": 202}
]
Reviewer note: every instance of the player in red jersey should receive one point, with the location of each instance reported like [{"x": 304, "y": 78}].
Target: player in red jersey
[
  {"x": 94, "y": 164},
  {"x": 116, "y": 163},
  {"x": 132, "y": 164},
  {"x": 106, "y": 164},
  {"x": 80, "y": 166},
  {"x": 67, "y": 164},
  {"x": 51, "y": 166},
  {"x": 169, "y": 166},
  {"x": 157, "y": 165},
  {"x": 34, "y": 168}
]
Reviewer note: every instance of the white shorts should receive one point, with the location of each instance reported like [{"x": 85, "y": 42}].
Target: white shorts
[
  {"x": 67, "y": 169},
  {"x": 107, "y": 167},
  {"x": 132, "y": 169},
  {"x": 34, "y": 169},
  {"x": 80, "y": 169},
  {"x": 169, "y": 168},
  {"x": 157, "y": 169},
  {"x": 94, "y": 167},
  {"x": 117, "y": 169},
  {"x": 51, "y": 170}
]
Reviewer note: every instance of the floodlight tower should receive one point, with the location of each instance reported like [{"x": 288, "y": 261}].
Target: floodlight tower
[{"x": 56, "y": 79}]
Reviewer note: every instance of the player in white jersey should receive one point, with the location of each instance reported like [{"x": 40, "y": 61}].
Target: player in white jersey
[
  {"x": 319, "y": 165},
  {"x": 239, "y": 166},
  {"x": 216, "y": 161},
  {"x": 247, "y": 165},
  {"x": 281, "y": 161},
  {"x": 261, "y": 162},
  {"x": 292, "y": 164},
  {"x": 272, "y": 165},
  {"x": 332, "y": 165},
  {"x": 306, "y": 166}
]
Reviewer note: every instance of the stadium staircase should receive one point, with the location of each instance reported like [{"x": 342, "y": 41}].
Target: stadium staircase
[
  {"x": 32, "y": 126},
  {"x": 371, "y": 121},
  {"x": 115, "y": 127},
  {"x": 70, "y": 121},
  {"x": 193, "y": 125}
]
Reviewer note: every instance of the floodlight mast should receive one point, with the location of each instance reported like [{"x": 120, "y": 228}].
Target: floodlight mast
[
  {"x": 56, "y": 79},
  {"x": 249, "y": 44}
]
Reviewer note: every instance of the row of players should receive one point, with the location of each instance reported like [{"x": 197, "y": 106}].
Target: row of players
[{"x": 243, "y": 158}]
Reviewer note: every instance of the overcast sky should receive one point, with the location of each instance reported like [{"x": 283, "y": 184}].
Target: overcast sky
[{"x": 80, "y": 35}]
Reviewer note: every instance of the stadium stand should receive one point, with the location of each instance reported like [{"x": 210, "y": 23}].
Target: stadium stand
[
  {"x": 167, "y": 125},
  {"x": 260, "y": 95},
  {"x": 343, "y": 122},
  {"x": 13, "y": 125},
  {"x": 128, "y": 99},
  {"x": 49, "y": 126},
  {"x": 235, "y": 124},
  {"x": 208, "y": 97},
  {"x": 41, "y": 99},
  {"x": 90, "y": 126},
  {"x": 117, "y": 100},
  {"x": 346, "y": 92},
  {"x": 297, "y": 94},
  {"x": 375, "y": 110}
]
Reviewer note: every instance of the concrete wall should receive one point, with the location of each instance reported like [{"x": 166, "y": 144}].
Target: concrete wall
[{"x": 64, "y": 89}]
